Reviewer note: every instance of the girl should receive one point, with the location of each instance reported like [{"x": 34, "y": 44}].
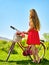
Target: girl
[{"x": 33, "y": 35}]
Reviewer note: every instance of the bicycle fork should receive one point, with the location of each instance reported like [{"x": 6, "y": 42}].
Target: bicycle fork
[{"x": 10, "y": 50}]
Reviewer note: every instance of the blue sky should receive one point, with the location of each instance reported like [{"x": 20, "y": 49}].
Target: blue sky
[{"x": 16, "y": 13}]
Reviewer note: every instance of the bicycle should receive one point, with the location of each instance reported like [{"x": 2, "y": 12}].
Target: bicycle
[{"x": 27, "y": 50}]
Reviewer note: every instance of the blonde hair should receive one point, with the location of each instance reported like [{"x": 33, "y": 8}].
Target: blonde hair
[{"x": 35, "y": 19}]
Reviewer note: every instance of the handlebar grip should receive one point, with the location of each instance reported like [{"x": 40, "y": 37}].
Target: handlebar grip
[{"x": 12, "y": 27}]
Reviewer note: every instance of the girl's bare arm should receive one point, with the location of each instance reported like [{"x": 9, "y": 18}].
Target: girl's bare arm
[{"x": 25, "y": 32}]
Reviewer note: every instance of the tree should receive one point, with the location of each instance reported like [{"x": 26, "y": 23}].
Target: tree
[{"x": 46, "y": 36}]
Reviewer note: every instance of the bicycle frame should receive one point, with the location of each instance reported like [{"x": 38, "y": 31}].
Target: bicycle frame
[{"x": 22, "y": 47}]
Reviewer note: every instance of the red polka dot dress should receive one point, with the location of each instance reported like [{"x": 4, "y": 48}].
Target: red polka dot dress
[{"x": 33, "y": 37}]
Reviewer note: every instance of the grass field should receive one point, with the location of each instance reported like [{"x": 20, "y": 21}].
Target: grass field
[{"x": 16, "y": 57}]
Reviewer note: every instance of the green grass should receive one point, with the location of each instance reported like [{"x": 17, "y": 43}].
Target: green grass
[{"x": 16, "y": 58}]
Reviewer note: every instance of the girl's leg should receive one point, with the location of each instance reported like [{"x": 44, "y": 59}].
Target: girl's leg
[
  {"x": 34, "y": 56},
  {"x": 36, "y": 53}
]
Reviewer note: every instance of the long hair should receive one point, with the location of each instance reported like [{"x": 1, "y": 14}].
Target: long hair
[{"x": 35, "y": 20}]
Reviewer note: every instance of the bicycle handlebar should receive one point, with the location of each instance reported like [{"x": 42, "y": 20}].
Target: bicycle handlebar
[
  {"x": 14, "y": 28},
  {"x": 19, "y": 31}
]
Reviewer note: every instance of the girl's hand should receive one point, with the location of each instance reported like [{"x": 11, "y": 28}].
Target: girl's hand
[
  {"x": 22, "y": 35},
  {"x": 25, "y": 32},
  {"x": 18, "y": 33}
]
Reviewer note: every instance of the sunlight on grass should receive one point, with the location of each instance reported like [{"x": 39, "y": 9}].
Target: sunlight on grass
[{"x": 17, "y": 58}]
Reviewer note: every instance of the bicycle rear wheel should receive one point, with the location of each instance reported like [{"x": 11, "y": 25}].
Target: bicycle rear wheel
[{"x": 41, "y": 51}]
